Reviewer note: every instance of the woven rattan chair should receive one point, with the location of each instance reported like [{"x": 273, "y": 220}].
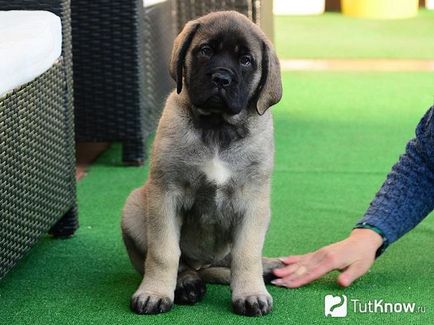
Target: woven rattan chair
[
  {"x": 120, "y": 71},
  {"x": 37, "y": 160}
]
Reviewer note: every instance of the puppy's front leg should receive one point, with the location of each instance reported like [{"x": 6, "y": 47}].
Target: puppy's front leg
[
  {"x": 156, "y": 292},
  {"x": 249, "y": 295}
]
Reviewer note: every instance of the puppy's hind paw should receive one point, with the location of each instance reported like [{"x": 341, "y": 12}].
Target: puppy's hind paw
[
  {"x": 143, "y": 303},
  {"x": 189, "y": 290},
  {"x": 268, "y": 265},
  {"x": 254, "y": 305}
]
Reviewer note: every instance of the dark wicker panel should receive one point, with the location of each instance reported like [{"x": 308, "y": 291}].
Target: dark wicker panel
[
  {"x": 108, "y": 70},
  {"x": 35, "y": 164},
  {"x": 190, "y": 9},
  {"x": 120, "y": 71}
]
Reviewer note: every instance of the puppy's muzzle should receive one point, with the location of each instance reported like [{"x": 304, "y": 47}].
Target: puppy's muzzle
[{"x": 222, "y": 77}]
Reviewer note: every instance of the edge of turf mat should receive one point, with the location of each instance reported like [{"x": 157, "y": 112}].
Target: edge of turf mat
[
  {"x": 337, "y": 136},
  {"x": 335, "y": 36}
]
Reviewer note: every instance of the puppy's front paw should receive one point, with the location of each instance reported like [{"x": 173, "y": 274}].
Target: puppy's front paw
[
  {"x": 253, "y": 305},
  {"x": 145, "y": 303}
]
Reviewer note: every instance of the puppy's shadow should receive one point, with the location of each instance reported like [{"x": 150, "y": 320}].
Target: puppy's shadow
[
  {"x": 217, "y": 299},
  {"x": 122, "y": 285}
]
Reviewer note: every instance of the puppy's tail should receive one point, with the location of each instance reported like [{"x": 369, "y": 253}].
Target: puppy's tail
[{"x": 222, "y": 274}]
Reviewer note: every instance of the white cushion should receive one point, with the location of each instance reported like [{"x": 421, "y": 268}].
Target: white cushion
[
  {"x": 30, "y": 43},
  {"x": 149, "y": 3}
]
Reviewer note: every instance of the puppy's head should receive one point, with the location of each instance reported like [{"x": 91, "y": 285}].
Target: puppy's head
[{"x": 226, "y": 64}]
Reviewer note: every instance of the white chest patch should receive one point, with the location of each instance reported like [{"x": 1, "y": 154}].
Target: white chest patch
[{"x": 216, "y": 171}]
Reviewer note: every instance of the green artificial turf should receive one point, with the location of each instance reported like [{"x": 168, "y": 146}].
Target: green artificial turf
[
  {"x": 337, "y": 135},
  {"x": 336, "y": 36}
]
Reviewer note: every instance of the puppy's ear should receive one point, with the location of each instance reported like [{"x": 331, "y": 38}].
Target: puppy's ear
[
  {"x": 179, "y": 51},
  {"x": 269, "y": 91}
]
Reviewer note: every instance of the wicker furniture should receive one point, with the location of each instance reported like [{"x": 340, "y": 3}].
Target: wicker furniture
[
  {"x": 37, "y": 163},
  {"x": 118, "y": 75}
]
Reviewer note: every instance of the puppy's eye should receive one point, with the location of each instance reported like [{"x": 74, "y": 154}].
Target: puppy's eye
[
  {"x": 246, "y": 60},
  {"x": 206, "y": 51}
]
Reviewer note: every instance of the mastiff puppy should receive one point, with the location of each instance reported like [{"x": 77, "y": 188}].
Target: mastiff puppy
[{"x": 203, "y": 213}]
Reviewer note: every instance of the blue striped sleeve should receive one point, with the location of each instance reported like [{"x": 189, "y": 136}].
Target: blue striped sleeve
[{"x": 407, "y": 195}]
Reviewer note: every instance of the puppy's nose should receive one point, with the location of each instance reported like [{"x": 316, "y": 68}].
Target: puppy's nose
[{"x": 221, "y": 79}]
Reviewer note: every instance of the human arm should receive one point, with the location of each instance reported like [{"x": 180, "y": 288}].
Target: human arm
[{"x": 406, "y": 197}]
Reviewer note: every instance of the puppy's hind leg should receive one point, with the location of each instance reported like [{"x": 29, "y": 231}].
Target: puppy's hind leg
[
  {"x": 268, "y": 264},
  {"x": 221, "y": 273},
  {"x": 190, "y": 287},
  {"x": 216, "y": 274},
  {"x": 134, "y": 228},
  {"x": 137, "y": 257}
]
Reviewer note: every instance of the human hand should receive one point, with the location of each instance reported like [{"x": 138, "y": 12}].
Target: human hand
[{"x": 352, "y": 256}]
